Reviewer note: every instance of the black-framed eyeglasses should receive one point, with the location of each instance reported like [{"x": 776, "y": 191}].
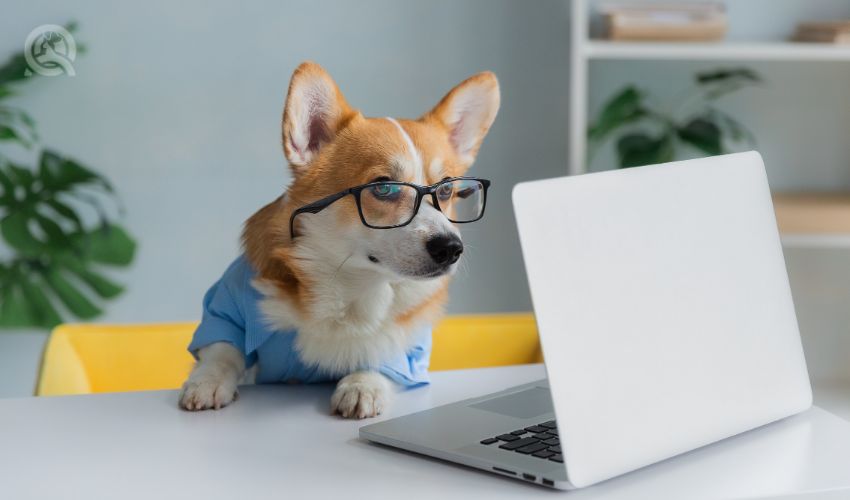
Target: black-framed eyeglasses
[{"x": 390, "y": 204}]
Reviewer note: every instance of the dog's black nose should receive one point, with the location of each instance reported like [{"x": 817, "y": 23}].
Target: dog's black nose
[{"x": 444, "y": 249}]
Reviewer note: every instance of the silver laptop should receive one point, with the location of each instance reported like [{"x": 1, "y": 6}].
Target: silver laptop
[{"x": 666, "y": 323}]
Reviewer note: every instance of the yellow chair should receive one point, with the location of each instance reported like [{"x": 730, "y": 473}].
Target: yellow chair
[
  {"x": 88, "y": 358},
  {"x": 485, "y": 340}
]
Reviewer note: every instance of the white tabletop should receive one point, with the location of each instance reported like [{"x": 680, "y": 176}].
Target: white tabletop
[{"x": 280, "y": 442}]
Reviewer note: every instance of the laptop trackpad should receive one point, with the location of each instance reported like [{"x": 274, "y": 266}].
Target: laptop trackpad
[{"x": 524, "y": 404}]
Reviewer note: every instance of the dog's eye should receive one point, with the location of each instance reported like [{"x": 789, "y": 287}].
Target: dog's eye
[
  {"x": 444, "y": 192},
  {"x": 386, "y": 191}
]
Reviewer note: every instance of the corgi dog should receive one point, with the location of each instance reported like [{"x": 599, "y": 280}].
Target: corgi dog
[{"x": 347, "y": 267}]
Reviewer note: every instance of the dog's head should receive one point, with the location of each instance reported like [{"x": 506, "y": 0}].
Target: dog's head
[{"x": 332, "y": 147}]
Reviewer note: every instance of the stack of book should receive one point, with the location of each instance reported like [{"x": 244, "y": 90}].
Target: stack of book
[
  {"x": 692, "y": 22},
  {"x": 823, "y": 32}
]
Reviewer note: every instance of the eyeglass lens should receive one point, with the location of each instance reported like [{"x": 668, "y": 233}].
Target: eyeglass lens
[
  {"x": 462, "y": 200},
  {"x": 388, "y": 205}
]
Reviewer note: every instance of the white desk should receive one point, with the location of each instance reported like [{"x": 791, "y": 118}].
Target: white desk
[{"x": 279, "y": 442}]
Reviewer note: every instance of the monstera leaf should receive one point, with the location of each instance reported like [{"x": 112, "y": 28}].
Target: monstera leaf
[
  {"x": 57, "y": 237},
  {"x": 15, "y": 124},
  {"x": 61, "y": 261}
]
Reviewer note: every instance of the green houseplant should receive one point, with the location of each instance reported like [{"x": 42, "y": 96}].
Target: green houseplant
[
  {"x": 646, "y": 133},
  {"x": 58, "y": 224}
]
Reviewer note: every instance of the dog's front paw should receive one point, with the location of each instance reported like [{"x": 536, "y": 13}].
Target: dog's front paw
[
  {"x": 360, "y": 395},
  {"x": 207, "y": 392}
]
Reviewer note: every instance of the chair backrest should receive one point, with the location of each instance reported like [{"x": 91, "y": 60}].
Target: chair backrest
[
  {"x": 479, "y": 341},
  {"x": 89, "y": 358},
  {"x": 94, "y": 358}
]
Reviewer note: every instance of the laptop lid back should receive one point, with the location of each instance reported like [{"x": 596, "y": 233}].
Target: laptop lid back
[{"x": 663, "y": 307}]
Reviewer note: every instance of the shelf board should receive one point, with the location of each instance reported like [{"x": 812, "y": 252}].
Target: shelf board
[
  {"x": 751, "y": 51},
  {"x": 813, "y": 217}
]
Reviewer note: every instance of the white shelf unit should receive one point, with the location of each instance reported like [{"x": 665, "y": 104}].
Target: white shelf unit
[
  {"x": 585, "y": 50},
  {"x": 751, "y": 51},
  {"x": 800, "y": 216}
]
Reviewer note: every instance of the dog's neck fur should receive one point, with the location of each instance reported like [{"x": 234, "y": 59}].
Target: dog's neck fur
[{"x": 345, "y": 319}]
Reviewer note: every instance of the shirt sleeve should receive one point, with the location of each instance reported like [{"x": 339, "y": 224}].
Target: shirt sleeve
[
  {"x": 222, "y": 321},
  {"x": 411, "y": 370}
]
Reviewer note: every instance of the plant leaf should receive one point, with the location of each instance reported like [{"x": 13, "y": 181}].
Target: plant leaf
[
  {"x": 621, "y": 109},
  {"x": 59, "y": 173},
  {"x": 109, "y": 244},
  {"x": 56, "y": 236},
  {"x": 22, "y": 176},
  {"x": 736, "y": 129},
  {"x": 8, "y": 195},
  {"x": 15, "y": 310},
  {"x": 15, "y": 230},
  {"x": 640, "y": 149},
  {"x": 27, "y": 120},
  {"x": 702, "y": 134},
  {"x": 9, "y": 134},
  {"x": 41, "y": 307},
  {"x": 20, "y": 119},
  {"x": 723, "y": 81},
  {"x": 28, "y": 124},
  {"x": 101, "y": 285},
  {"x": 65, "y": 211},
  {"x": 726, "y": 74},
  {"x": 14, "y": 69},
  {"x": 73, "y": 299},
  {"x": 92, "y": 202}
]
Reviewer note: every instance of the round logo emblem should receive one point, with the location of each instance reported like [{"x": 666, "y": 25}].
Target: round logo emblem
[{"x": 50, "y": 50}]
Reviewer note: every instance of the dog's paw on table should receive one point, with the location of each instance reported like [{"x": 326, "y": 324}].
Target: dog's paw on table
[
  {"x": 360, "y": 395},
  {"x": 205, "y": 393}
]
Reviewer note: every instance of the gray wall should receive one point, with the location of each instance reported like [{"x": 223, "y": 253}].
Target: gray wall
[{"x": 179, "y": 103}]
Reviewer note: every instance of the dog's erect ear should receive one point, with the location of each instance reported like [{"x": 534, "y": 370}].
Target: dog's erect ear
[
  {"x": 467, "y": 112},
  {"x": 315, "y": 111}
]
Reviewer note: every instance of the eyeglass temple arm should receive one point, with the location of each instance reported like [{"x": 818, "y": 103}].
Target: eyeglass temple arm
[{"x": 314, "y": 208}]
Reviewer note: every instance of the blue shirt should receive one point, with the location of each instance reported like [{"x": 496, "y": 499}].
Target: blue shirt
[{"x": 232, "y": 315}]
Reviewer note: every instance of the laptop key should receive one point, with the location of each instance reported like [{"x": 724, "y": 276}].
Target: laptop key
[
  {"x": 536, "y": 429},
  {"x": 519, "y": 443},
  {"x": 543, "y": 436},
  {"x": 519, "y": 432},
  {"x": 507, "y": 437},
  {"x": 553, "y": 442},
  {"x": 489, "y": 441},
  {"x": 543, "y": 454},
  {"x": 549, "y": 425},
  {"x": 557, "y": 458},
  {"x": 532, "y": 448},
  {"x": 556, "y": 449}
]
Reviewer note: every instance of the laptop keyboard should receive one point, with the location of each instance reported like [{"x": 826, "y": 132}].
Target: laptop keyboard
[{"x": 539, "y": 441}]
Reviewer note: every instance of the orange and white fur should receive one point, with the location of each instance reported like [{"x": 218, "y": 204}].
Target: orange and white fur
[{"x": 354, "y": 294}]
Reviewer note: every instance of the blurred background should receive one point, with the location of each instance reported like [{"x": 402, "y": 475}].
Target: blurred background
[{"x": 176, "y": 107}]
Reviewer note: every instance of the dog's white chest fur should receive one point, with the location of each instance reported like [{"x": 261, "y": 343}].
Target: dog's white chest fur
[{"x": 351, "y": 324}]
